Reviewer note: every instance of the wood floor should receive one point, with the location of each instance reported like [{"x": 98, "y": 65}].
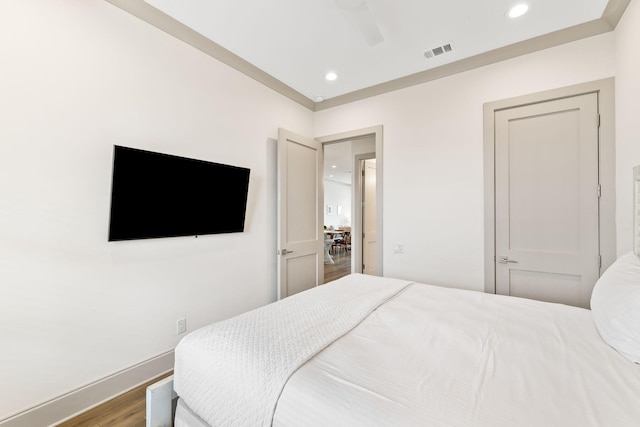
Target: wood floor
[
  {"x": 128, "y": 410},
  {"x": 340, "y": 267}
]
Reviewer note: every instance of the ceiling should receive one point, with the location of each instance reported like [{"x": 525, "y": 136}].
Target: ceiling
[
  {"x": 338, "y": 162},
  {"x": 290, "y": 45}
]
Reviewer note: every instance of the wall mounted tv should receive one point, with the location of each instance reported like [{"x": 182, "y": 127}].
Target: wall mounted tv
[{"x": 159, "y": 195}]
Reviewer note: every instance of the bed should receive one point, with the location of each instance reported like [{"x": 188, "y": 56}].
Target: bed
[
  {"x": 366, "y": 350},
  {"x": 373, "y": 351}
]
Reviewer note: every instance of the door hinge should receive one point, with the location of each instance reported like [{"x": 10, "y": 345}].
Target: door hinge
[
  {"x": 600, "y": 261},
  {"x": 599, "y": 190},
  {"x": 598, "y": 120}
]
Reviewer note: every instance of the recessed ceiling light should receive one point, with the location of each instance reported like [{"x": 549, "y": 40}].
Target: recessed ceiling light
[
  {"x": 517, "y": 10},
  {"x": 334, "y": 166},
  {"x": 319, "y": 98},
  {"x": 331, "y": 76},
  {"x": 330, "y": 176}
]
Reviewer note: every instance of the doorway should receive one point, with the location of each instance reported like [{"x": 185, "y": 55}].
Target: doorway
[
  {"x": 338, "y": 209},
  {"x": 354, "y": 147},
  {"x": 301, "y": 207}
]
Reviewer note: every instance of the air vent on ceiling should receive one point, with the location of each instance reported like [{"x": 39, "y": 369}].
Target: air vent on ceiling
[{"x": 437, "y": 51}]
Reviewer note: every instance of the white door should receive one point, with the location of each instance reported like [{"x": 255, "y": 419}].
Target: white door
[
  {"x": 547, "y": 191},
  {"x": 369, "y": 217},
  {"x": 300, "y": 235}
]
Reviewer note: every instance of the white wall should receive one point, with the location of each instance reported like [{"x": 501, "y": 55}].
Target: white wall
[
  {"x": 337, "y": 194},
  {"x": 80, "y": 76},
  {"x": 433, "y": 164},
  {"x": 627, "y": 50},
  {"x": 76, "y": 78}
]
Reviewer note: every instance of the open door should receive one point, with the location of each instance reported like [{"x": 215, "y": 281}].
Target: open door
[
  {"x": 300, "y": 214},
  {"x": 369, "y": 223}
]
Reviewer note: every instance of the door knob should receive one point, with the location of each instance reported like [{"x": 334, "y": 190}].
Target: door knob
[
  {"x": 284, "y": 252},
  {"x": 506, "y": 260}
]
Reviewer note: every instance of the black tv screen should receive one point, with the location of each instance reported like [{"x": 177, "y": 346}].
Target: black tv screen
[{"x": 159, "y": 195}]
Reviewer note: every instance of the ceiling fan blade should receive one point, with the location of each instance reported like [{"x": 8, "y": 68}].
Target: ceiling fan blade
[
  {"x": 367, "y": 25},
  {"x": 362, "y": 17}
]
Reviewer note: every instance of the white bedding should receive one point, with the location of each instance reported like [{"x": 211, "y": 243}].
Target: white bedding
[
  {"x": 232, "y": 372},
  {"x": 433, "y": 356},
  {"x": 445, "y": 357}
]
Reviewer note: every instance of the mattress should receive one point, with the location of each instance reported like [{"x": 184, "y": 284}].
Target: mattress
[{"x": 445, "y": 357}]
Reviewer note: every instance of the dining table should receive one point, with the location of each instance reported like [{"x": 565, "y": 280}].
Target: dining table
[{"x": 331, "y": 235}]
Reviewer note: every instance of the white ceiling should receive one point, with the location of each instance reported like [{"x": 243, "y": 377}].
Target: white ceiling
[
  {"x": 338, "y": 155},
  {"x": 298, "y": 41}
]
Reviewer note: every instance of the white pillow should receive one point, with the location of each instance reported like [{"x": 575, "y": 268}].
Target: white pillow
[{"x": 615, "y": 306}]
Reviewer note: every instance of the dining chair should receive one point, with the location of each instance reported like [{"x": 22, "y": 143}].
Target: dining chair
[{"x": 337, "y": 243}]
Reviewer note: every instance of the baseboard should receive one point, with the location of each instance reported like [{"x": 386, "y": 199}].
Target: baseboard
[{"x": 78, "y": 401}]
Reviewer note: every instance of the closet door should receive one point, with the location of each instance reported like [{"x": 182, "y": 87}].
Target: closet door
[{"x": 547, "y": 189}]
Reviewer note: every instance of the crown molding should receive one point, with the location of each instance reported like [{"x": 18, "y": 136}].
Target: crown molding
[
  {"x": 614, "y": 11},
  {"x": 607, "y": 22},
  {"x": 545, "y": 41},
  {"x": 166, "y": 23}
]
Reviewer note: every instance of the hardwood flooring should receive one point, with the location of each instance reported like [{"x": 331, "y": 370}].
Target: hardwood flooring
[
  {"x": 340, "y": 267},
  {"x": 128, "y": 410}
]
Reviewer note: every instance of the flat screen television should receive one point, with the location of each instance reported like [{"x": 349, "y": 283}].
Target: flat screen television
[{"x": 159, "y": 195}]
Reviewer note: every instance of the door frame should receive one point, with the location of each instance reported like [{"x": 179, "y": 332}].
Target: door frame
[
  {"x": 376, "y": 133},
  {"x": 606, "y": 172}
]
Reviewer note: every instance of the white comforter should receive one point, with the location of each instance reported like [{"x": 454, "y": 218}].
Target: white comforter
[
  {"x": 422, "y": 356},
  {"x": 231, "y": 373},
  {"x": 443, "y": 357}
]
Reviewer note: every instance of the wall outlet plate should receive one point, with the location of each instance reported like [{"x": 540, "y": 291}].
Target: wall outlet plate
[{"x": 181, "y": 326}]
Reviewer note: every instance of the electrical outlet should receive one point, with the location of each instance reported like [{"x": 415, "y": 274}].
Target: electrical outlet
[
  {"x": 398, "y": 248},
  {"x": 181, "y": 326}
]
